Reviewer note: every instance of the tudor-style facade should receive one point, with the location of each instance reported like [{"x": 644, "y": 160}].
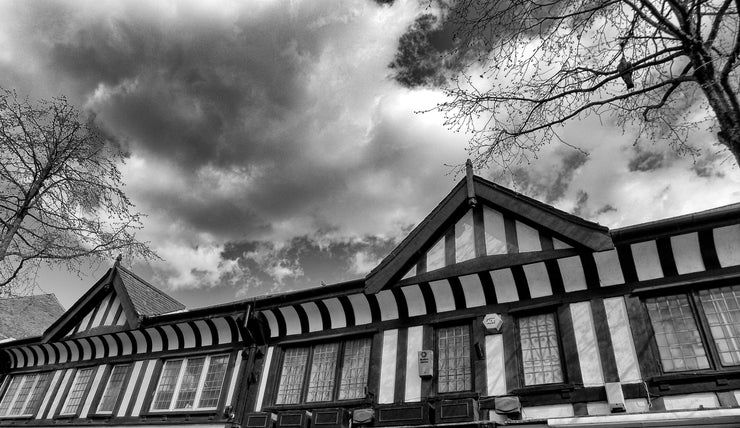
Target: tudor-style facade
[
  {"x": 496, "y": 310},
  {"x": 126, "y": 353}
]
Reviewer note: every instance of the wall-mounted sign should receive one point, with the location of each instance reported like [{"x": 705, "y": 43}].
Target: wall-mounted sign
[
  {"x": 493, "y": 323},
  {"x": 426, "y": 363}
]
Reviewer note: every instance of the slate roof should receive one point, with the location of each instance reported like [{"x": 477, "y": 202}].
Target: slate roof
[
  {"x": 147, "y": 299},
  {"x": 28, "y": 316}
]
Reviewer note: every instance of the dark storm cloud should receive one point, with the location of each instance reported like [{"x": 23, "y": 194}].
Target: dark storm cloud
[
  {"x": 551, "y": 186},
  {"x": 644, "y": 160}
]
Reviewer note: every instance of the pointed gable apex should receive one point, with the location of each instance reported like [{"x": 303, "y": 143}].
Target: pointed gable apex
[
  {"x": 454, "y": 216},
  {"x": 117, "y": 301}
]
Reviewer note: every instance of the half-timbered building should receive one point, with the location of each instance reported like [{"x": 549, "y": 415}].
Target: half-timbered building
[
  {"x": 495, "y": 310},
  {"x": 501, "y": 310},
  {"x": 126, "y": 353}
]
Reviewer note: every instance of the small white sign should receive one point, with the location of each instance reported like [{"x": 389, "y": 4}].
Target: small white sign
[
  {"x": 426, "y": 363},
  {"x": 493, "y": 323}
]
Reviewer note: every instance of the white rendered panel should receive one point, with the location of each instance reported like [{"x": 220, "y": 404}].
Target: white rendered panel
[
  {"x": 707, "y": 400},
  {"x": 361, "y": 309},
  {"x": 48, "y": 396},
  {"x": 636, "y": 405},
  {"x": 85, "y": 321},
  {"x": 647, "y": 261},
  {"x": 545, "y": 412},
  {"x": 610, "y": 271},
  {"x": 624, "y": 348},
  {"x": 414, "y": 300},
  {"x": 336, "y": 312},
  {"x": 40, "y": 355},
  {"x": 538, "y": 280},
  {"x": 292, "y": 322},
  {"x": 234, "y": 377},
  {"x": 206, "y": 338},
  {"x": 98, "y": 320},
  {"x": 143, "y": 391},
  {"x": 263, "y": 380},
  {"x": 587, "y": 344},
  {"x": 727, "y": 244},
  {"x": 464, "y": 239},
  {"x": 598, "y": 408},
  {"x": 223, "y": 331},
  {"x": 111, "y": 317},
  {"x": 121, "y": 319},
  {"x": 129, "y": 391},
  {"x": 442, "y": 291},
  {"x": 126, "y": 347},
  {"x": 58, "y": 397},
  {"x": 157, "y": 338},
  {"x": 140, "y": 341},
  {"x": 50, "y": 352},
  {"x": 473, "y": 291},
  {"x": 172, "y": 339},
  {"x": 388, "y": 367},
  {"x": 571, "y": 270},
  {"x": 272, "y": 322},
  {"x": 112, "y": 345},
  {"x": 436, "y": 255},
  {"x": 410, "y": 273},
  {"x": 686, "y": 253},
  {"x": 313, "y": 315},
  {"x": 495, "y": 365},
  {"x": 495, "y": 233},
  {"x": 388, "y": 306},
  {"x": 527, "y": 237},
  {"x": 97, "y": 346},
  {"x": 559, "y": 245},
  {"x": 413, "y": 381},
  {"x": 503, "y": 282},
  {"x": 20, "y": 358},
  {"x": 99, "y": 370},
  {"x": 188, "y": 336},
  {"x": 63, "y": 357},
  {"x": 86, "y": 349}
]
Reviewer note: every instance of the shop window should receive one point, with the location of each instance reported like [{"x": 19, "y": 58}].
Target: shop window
[
  {"x": 324, "y": 372},
  {"x": 23, "y": 394},
  {"x": 453, "y": 359},
  {"x": 541, "y": 362},
  {"x": 190, "y": 383},
  {"x": 113, "y": 388},
  {"x": 680, "y": 323}
]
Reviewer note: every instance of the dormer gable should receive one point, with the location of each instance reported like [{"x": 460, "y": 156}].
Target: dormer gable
[
  {"x": 482, "y": 226},
  {"x": 118, "y": 301}
]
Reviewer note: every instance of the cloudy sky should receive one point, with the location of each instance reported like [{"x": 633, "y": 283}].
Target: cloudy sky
[{"x": 271, "y": 147}]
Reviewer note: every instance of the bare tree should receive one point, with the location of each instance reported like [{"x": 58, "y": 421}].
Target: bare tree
[
  {"x": 666, "y": 66},
  {"x": 60, "y": 190}
]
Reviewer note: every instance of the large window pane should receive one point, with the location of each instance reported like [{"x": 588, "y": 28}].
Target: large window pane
[
  {"x": 722, "y": 309},
  {"x": 453, "y": 359},
  {"x": 354, "y": 369},
  {"x": 291, "y": 379},
  {"x": 679, "y": 343},
  {"x": 214, "y": 382},
  {"x": 540, "y": 351},
  {"x": 24, "y": 394},
  {"x": 167, "y": 383},
  {"x": 323, "y": 369},
  {"x": 37, "y": 393},
  {"x": 189, "y": 383},
  {"x": 113, "y": 388},
  {"x": 10, "y": 394},
  {"x": 77, "y": 392}
]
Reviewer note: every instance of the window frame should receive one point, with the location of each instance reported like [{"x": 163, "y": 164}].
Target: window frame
[
  {"x": 30, "y": 398},
  {"x": 59, "y": 413},
  {"x": 702, "y": 326},
  {"x": 156, "y": 380},
  {"x": 471, "y": 355},
  {"x": 103, "y": 386},
  {"x": 305, "y": 383},
  {"x": 517, "y": 316}
]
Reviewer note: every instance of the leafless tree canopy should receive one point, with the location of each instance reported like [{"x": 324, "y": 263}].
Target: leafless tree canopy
[
  {"x": 542, "y": 63},
  {"x": 60, "y": 191}
]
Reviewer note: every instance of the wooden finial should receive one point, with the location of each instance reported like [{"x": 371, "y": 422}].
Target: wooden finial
[
  {"x": 118, "y": 260},
  {"x": 469, "y": 178}
]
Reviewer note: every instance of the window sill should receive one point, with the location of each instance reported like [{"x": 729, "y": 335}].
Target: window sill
[
  {"x": 319, "y": 405},
  {"x": 695, "y": 376},
  {"x": 178, "y": 413},
  {"x": 454, "y": 395},
  {"x": 544, "y": 388}
]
